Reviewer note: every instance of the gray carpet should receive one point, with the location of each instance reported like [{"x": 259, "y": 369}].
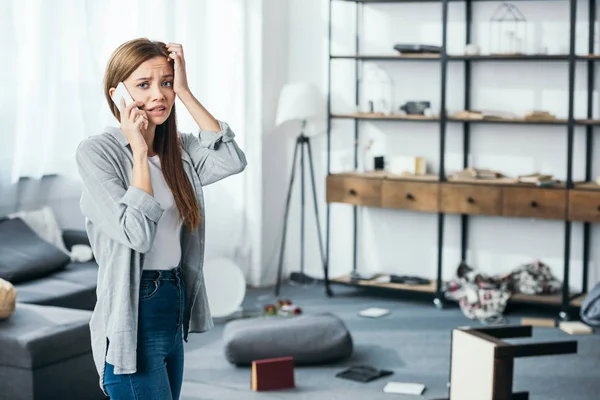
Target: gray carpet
[{"x": 413, "y": 341}]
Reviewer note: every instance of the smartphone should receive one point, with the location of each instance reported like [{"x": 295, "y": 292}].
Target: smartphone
[{"x": 121, "y": 92}]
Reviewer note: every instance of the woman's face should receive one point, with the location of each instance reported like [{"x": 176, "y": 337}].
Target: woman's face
[{"x": 152, "y": 84}]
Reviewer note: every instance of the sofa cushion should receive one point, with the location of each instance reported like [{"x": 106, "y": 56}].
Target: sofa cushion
[
  {"x": 36, "y": 336},
  {"x": 24, "y": 255},
  {"x": 84, "y": 272},
  {"x": 58, "y": 292}
]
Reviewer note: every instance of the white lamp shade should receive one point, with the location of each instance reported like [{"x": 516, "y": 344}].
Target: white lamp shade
[{"x": 299, "y": 102}]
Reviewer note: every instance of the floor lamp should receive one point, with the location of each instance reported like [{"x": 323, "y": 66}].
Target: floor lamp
[{"x": 302, "y": 103}]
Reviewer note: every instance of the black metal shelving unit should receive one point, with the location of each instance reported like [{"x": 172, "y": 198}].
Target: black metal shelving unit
[{"x": 443, "y": 120}]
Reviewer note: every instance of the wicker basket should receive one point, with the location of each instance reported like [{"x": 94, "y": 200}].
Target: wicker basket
[{"x": 8, "y": 297}]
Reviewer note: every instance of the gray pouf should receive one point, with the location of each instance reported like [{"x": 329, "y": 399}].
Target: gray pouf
[
  {"x": 310, "y": 339},
  {"x": 45, "y": 353}
]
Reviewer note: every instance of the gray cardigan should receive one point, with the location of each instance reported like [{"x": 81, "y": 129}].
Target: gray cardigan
[{"x": 121, "y": 223}]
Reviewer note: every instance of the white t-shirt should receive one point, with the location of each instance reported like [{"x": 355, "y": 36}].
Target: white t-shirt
[{"x": 166, "y": 250}]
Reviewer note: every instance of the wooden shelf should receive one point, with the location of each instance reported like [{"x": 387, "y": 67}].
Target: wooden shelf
[
  {"x": 508, "y": 57},
  {"x": 420, "y": 1},
  {"x": 384, "y": 117},
  {"x": 551, "y": 299},
  {"x": 398, "y": 286},
  {"x": 388, "y": 57},
  {"x": 502, "y": 197},
  {"x": 387, "y": 175},
  {"x": 586, "y": 186},
  {"x": 462, "y": 57},
  {"x": 521, "y": 121},
  {"x": 504, "y": 182},
  {"x": 423, "y": 118}
]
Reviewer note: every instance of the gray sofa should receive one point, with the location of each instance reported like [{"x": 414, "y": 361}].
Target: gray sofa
[
  {"x": 41, "y": 273},
  {"x": 45, "y": 350}
]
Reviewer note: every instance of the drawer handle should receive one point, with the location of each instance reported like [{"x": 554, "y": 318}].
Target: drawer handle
[
  {"x": 352, "y": 192},
  {"x": 598, "y": 208},
  {"x": 470, "y": 200},
  {"x": 409, "y": 196},
  {"x": 534, "y": 203}
]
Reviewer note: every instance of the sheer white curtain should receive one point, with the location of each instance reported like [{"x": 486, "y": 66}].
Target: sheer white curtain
[{"x": 53, "y": 58}]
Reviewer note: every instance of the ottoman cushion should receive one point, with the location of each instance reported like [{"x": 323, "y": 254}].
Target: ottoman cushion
[
  {"x": 40, "y": 335},
  {"x": 46, "y": 354},
  {"x": 310, "y": 339}
]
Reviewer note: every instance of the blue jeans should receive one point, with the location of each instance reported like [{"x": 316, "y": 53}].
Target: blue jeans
[{"x": 160, "y": 342}]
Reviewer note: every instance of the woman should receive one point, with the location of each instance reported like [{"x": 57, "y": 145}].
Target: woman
[{"x": 144, "y": 208}]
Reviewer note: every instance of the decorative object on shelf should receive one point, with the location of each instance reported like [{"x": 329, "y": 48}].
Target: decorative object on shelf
[
  {"x": 377, "y": 89},
  {"x": 367, "y": 164},
  {"x": 539, "y": 115},
  {"x": 416, "y": 107},
  {"x": 412, "y": 48},
  {"x": 8, "y": 296},
  {"x": 400, "y": 165},
  {"x": 477, "y": 173},
  {"x": 472, "y": 49},
  {"x": 537, "y": 179},
  {"x": 508, "y": 30},
  {"x": 300, "y": 103},
  {"x": 484, "y": 114},
  {"x": 379, "y": 163}
]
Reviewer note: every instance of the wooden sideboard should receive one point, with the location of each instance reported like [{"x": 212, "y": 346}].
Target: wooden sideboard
[{"x": 581, "y": 203}]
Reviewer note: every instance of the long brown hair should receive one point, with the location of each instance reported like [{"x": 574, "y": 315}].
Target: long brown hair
[{"x": 126, "y": 59}]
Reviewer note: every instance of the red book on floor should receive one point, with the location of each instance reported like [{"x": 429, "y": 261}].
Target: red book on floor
[{"x": 273, "y": 374}]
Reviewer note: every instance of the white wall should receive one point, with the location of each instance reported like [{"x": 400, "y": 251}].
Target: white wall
[{"x": 404, "y": 242}]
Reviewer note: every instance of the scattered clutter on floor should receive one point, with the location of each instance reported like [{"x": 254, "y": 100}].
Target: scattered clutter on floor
[
  {"x": 283, "y": 308},
  {"x": 373, "y": 312},
  {"x": 482, "y": 363},
  {"x": 273, "y": 374},
  {"x": 485, "y": 297},
  {"x": 570, "y": 327},
  {"x": 575, "y": 328},
  {"x": 415, "y": 389},
  {"x": 363, "y": 373}
]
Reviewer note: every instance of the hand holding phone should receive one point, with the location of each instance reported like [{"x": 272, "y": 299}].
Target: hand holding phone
[
  {"x": 133, "y": 120},
  {"x": 121, "y": 92}
]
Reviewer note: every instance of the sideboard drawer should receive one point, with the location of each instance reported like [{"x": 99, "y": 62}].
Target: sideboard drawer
[
  {"x": 535, "y": 203},
  {"x": 354, "y": 190},
  {"x": 471, "y": 199},
  {"x": 584, "y": 205},
  {"x": 418, "y": 196}
]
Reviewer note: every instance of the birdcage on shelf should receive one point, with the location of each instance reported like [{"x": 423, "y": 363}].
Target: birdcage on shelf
[{"x": 508, "y": 30}]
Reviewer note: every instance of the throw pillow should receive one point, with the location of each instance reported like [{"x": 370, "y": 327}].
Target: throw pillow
[
  {"x": 24, "y": 255},
  {"x": 44, "y": 223}
]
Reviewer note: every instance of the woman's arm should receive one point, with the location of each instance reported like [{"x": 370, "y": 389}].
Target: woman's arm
[
  {"x": 205, "y": 121},
  {"x": 215, "y": 153},
  {"x": 126, "y": 213}
]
